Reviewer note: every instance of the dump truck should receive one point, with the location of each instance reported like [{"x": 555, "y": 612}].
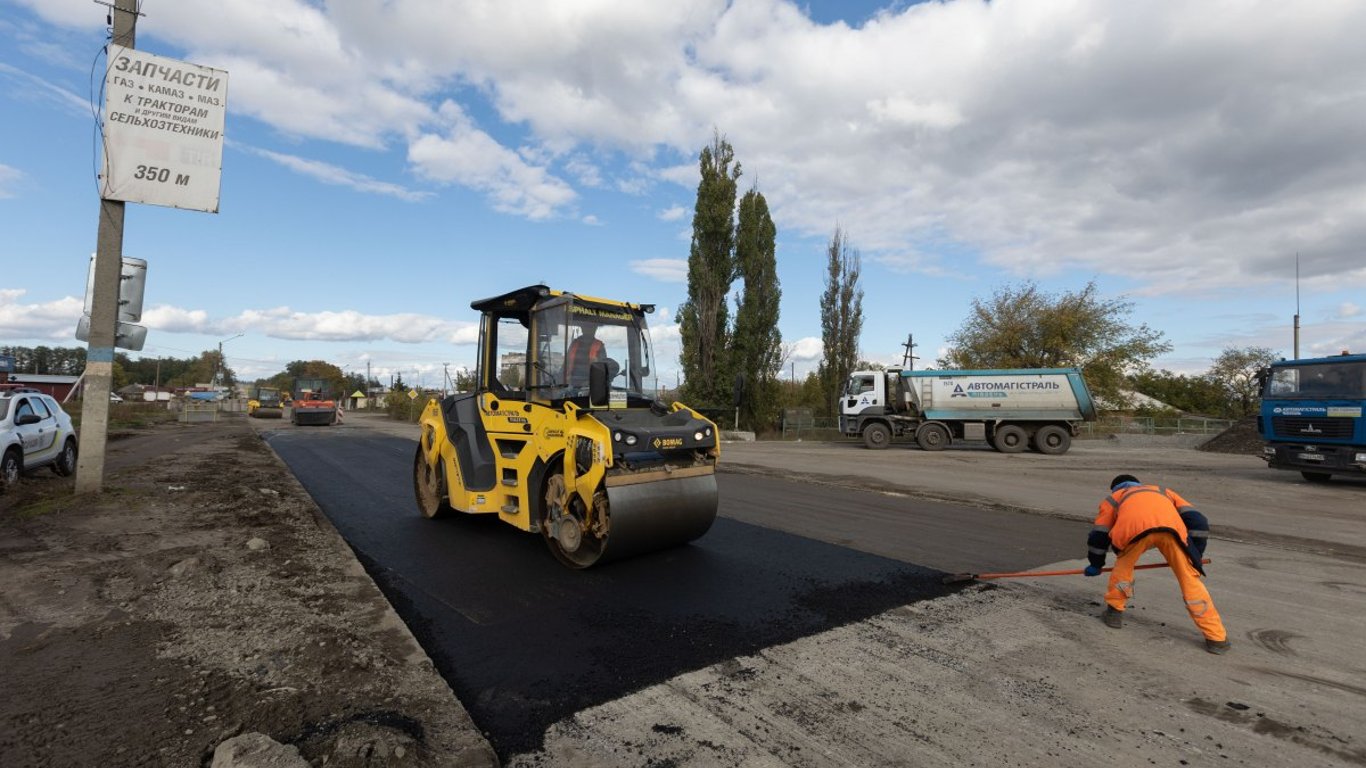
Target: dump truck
[
  {"x": 1311, "y": 416},
  {"x": 1013, "y": 409},
  {"x": 266, "y": 403},
  {"x": 563, "y": 434},
  {"x": 311, "y": 405}
]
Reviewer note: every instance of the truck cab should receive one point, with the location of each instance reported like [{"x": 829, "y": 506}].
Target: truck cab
[{"x": 1311, "y": 416}]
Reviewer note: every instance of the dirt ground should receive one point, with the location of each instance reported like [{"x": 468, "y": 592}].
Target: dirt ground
[{"x": 196, "y": 599}]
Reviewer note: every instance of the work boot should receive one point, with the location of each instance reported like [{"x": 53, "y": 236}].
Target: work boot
[
  {"x": 1217, "y": 646},
  {"x": 1112, "y": 618}
]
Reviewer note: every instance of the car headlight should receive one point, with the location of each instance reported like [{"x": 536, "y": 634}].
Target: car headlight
[
  {"x": 1361, "y": 458},
  {"x": 1268, "y": 451}
]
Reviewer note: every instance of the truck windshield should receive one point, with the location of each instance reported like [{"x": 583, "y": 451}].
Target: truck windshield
[
  {"x": 1319, "y": 381},
  {"x": 859, "y": 384}
]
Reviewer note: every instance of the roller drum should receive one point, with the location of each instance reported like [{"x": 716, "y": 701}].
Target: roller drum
[{"x": 646, "y": 517}]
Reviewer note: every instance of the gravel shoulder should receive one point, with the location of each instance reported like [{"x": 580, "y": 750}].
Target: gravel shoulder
[{"x": 200, "y": 597}]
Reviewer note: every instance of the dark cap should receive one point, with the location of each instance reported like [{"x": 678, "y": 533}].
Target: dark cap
[{"x": 1122, "y": 479}]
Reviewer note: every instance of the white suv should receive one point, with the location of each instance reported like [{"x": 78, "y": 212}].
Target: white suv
[{"x": 34, "y": 432}]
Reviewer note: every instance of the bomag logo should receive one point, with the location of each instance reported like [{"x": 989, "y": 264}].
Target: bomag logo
[{"x": 661, "y": 443}]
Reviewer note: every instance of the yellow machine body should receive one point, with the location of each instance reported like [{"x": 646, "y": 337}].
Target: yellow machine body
[{"x": 601, "y": 474}]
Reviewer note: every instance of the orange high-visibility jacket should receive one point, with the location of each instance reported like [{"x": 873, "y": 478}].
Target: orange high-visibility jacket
[
  {"x": 580, "y": 354},
  {"x": 1130, "y": 513}
]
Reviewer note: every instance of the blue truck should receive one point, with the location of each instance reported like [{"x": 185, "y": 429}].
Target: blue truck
[
  {"x": 1311, "y": 417},
  {"x": 1013, "y": 409}
]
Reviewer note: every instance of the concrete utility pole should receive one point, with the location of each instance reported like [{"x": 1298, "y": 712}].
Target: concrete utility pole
[{"x": 104, "y": 307}]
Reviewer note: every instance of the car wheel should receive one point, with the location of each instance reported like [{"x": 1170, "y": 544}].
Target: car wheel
[
  {"x": 932, "y": 437},
  {"x": 66, "y": 460},
  {"x": 10, "y": 466}
]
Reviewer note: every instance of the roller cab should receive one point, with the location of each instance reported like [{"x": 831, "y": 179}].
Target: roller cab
[{"x": 563, "y": 435}]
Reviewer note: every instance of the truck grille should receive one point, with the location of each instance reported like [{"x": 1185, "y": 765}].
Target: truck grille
[{"x": 1313, "y": 429}]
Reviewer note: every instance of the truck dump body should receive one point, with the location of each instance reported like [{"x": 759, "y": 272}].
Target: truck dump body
[{"x": 1040, "y": 394}]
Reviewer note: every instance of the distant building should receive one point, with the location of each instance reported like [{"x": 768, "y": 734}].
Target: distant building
[{"x": 57, "y": 386}]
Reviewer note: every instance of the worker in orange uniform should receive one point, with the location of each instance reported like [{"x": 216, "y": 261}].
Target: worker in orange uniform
[
  {"x": 584, "y": 350},
  {"x": 1135, "y": 518}
]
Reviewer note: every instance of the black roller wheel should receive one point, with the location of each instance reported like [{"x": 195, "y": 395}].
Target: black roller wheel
[
  {"x": 932, "y": 437},
  {"x": 1010, "y": 438},
  {"x": 877, "y": 436},
  {"x": 428, "y": 487},
  {"x": 1052, "y": 440}
]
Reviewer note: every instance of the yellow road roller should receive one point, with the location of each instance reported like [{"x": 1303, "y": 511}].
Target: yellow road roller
[{"x": 564, "y": 434}]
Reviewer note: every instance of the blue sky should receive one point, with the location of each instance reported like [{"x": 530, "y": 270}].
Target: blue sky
[{"x": 389, "y": 161}]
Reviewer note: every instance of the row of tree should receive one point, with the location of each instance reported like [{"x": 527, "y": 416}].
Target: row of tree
[
  {"x": 1020, "y": 326},
  {"x": 168, "y": 372},
  {"x": 172, "y": 372},
  {"x": 721, "y": 358}
]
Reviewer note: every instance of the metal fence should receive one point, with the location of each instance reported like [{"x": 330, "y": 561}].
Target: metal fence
[{"x": 1153, "y": 425}]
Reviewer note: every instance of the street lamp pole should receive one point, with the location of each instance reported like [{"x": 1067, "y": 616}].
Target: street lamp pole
[{"x": 219, "y": 366}]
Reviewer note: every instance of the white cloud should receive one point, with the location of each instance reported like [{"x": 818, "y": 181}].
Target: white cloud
[
  {"x": 37, "y": 88},
  {"x": 1186, "y": 150},
  {"x": 673, "y": 213},
  {"x": 331, "y": 174},
  {"x": 591, "y": 220},
  {"x": 46, "y": 321},
  {"x": 8, "y": 178},
  {"x": 664, "y": 270},
  {"x": 164, "y": 317},
  {"x": 465, "y": 155},
  {"x": 350, "y": 325},
  {"x": 807, "y": 349},
  {"x": 1347, "y": 310}
]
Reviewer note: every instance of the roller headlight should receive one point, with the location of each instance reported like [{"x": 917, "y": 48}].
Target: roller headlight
[
  {"x": 616, "y": 436},
  {"x": 697, "y": 436},
  {"x": 708, "y": 431},
  {"x": 630, "y": 439}
]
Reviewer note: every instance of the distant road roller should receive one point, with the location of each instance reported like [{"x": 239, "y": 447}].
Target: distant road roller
[{"x": 564, "y": 436}]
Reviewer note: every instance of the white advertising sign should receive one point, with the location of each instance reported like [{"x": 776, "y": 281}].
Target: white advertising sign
[{"x": 163, "y": 131}]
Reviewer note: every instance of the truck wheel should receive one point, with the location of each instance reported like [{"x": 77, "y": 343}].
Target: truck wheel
[
  {"x": 1052, "y": 440},
  {"x": 877, "y": 436},
  {"x": 1010, "y": 439},
  {"x": 932, "y": 437},
  {"x": 1316, "y": 477}
]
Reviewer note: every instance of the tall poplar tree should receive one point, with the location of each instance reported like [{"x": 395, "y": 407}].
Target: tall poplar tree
[
  {"x": 756, "y": 344},
  {"x": 841, "y": 317},
  {"x": 703, "y": 318}
]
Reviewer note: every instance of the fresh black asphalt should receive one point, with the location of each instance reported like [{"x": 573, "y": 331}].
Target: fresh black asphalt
[{"x": 525, "y": 642}]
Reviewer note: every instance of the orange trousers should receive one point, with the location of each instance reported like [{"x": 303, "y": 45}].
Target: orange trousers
[{"x": 1198, "y": 602}]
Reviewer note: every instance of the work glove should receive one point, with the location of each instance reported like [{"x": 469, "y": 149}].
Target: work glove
[{"x": 1092, "y": 570}]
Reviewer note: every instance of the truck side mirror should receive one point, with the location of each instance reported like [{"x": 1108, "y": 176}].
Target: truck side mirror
[{"x": 598, "y": 381}]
